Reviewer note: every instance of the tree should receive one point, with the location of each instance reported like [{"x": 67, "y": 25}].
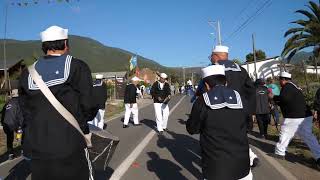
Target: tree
[
  {"x": 260, "y": 55},
  {"x": 306, "y": 35},
  {"x": 238, "y": 61}
]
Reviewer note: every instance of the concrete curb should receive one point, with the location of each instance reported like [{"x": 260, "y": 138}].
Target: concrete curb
[{"x": 273, "y": 162}]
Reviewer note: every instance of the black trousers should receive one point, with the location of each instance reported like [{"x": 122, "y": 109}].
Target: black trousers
[
  {"x": 74, "y": 166},
  {"x": 10, "y": 138},
  {"x": 263, "y": 122},
  {"x": 249, "y": 123}
]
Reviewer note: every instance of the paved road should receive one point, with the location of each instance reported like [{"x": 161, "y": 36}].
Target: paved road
[{"x": 176, "y": 155}]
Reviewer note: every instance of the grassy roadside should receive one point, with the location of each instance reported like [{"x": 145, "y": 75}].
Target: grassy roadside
[{"x": 113, "y": 109}]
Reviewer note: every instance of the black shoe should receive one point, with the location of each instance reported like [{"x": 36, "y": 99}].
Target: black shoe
[
  {"x": 318, "y": 163},
  {"x": 255, "y": 163},
  {"x": 10, "y": 156},
  {"x": 125, "y": 126},
  {"x": 165, "y": 129},
  {"x": 278, "y": 156},
  {"x": 137, "y": 124}
]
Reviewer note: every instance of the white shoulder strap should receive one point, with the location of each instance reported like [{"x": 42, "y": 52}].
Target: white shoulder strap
[{"x": 55, "y": 103}]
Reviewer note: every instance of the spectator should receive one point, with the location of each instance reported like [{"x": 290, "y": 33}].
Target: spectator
[
  {"x": 273, "y": 106},
  {"x": 11, "y": 120},
  {"x": 262, "y": 107}
]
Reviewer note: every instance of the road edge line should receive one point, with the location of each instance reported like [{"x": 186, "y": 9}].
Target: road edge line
[
  {"x": 282, "y": 170},
  {"x": 124, "y": 166}
]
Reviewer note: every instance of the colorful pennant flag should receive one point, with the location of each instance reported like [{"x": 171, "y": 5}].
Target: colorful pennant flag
[{"x": 133, "y": 62}]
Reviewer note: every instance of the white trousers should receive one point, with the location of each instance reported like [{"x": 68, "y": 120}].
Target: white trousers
[
  {"x": 252, "y": 156},
  {"x": 134, "y": 111},
  {"x": 303, "y": 128},
  {"x": 162, "y": 115},
  {"x": 99, "y": 119},
  {"x": 248, "y": 177}
]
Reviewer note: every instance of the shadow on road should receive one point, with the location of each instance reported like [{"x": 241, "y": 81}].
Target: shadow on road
[
  {"x": 150, "y": 123},
  {"x": 181, "y": 121},
  {"x": 185, "y": 150},
  {"x": 164, "y": 168},
  {"x": 20, "y": 171}
]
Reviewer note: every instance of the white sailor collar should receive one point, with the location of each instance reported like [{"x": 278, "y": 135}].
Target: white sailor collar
[
  {"x": 229, "y": 65},
  {"x": 53, "y": 71}
]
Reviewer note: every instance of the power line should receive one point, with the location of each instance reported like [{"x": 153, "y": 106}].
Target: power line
[{"x": 259, "y": 11}]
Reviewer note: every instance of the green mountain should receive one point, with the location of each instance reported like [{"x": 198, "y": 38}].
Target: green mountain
[
  {"x": 99, "y": 57},
  {"x": 301, "y": 56}
]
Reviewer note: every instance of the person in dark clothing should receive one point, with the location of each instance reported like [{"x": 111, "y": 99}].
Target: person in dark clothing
[
  {"x": 219, "y": 118},
  {"x": 100, "y": 97},
  {"x": 239, "y": 80},
  {"x": 11, "y": 120},
  {"x": 262, "y": 107},
  {"x": 161, "y": 94},
  {"x": 53, "y": 144},
  {"x": 130, "y": 101},
  {"x": 297, "y": 118}
]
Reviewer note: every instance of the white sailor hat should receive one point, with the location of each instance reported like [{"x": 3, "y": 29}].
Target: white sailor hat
[
  {"x": 54, "y": 33},
  {"x": 285, "y": 75},
  {"x": 212, "y": 70},
  {"x": 163, "y": 75},
  {"x": 99, "y": 76},
  {"x": 220, "y": 49},
  {"x": 14, "y": 93},
  {"x": 135, "y": 78}
]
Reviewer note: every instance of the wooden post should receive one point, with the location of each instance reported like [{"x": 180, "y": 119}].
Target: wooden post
[{"x": 305, "y": 76}]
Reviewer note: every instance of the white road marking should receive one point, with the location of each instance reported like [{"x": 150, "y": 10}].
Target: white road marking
[
  {"x": 124, "y": 166},
  {"x": 282, "y": 170}
]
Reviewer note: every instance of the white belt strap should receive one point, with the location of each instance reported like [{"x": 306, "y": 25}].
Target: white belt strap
[{"x": 56, "y": 104}]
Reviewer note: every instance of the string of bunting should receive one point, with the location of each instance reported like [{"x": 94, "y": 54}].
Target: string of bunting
[{"x": 35, "y": 2}]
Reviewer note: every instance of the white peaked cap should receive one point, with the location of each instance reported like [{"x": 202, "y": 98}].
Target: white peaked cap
[
  {"x": 285, "y": 75},
  {"x": 135, "y": 78},
  {"x": 54, "y": 33},
  {"x": 212, "y": 70},
  {"x": 14, "y": 93},
  {"x": 163, "y": 75},
  {"x": 221, "y": 49},
  {"x": 99, "y": 76}
]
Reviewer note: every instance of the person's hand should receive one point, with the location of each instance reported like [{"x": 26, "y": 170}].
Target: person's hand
[
  {"x": 131, "y": 105},
  {"x": 159, "y": 99}
]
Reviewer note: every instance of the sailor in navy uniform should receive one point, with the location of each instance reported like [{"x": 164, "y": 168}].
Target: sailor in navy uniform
[
  {"x": 100, "y": 97},
  {"x": 297, "y": 118},
  {"x": 219, "y": 118},
  {"x": 56, "y": 148},
  {"x": 130, "y": 102},
  {"x": 239, "y": 80},
  {"x": 161, "y": 94}
]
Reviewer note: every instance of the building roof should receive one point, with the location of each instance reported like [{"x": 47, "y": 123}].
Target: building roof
[
  {"x": 106, "y": 75},
  {"x": 10, "y": 63},
  {"x": 260, "y": 60}
]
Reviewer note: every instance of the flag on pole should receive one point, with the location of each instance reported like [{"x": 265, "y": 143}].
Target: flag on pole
[{"x": 133, "y": 62}]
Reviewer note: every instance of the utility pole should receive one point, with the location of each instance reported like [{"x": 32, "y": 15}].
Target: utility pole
[
  {"x": 184, "y": 76},
  {"x": 4, "y": 48},
  {"x": 219, "y": 33},
  {"x": 254, "y": 58},
  {"x": 216, "y": 26}
]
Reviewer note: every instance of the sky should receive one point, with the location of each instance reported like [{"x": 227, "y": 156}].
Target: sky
[{"x": 171, "y": 32}]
